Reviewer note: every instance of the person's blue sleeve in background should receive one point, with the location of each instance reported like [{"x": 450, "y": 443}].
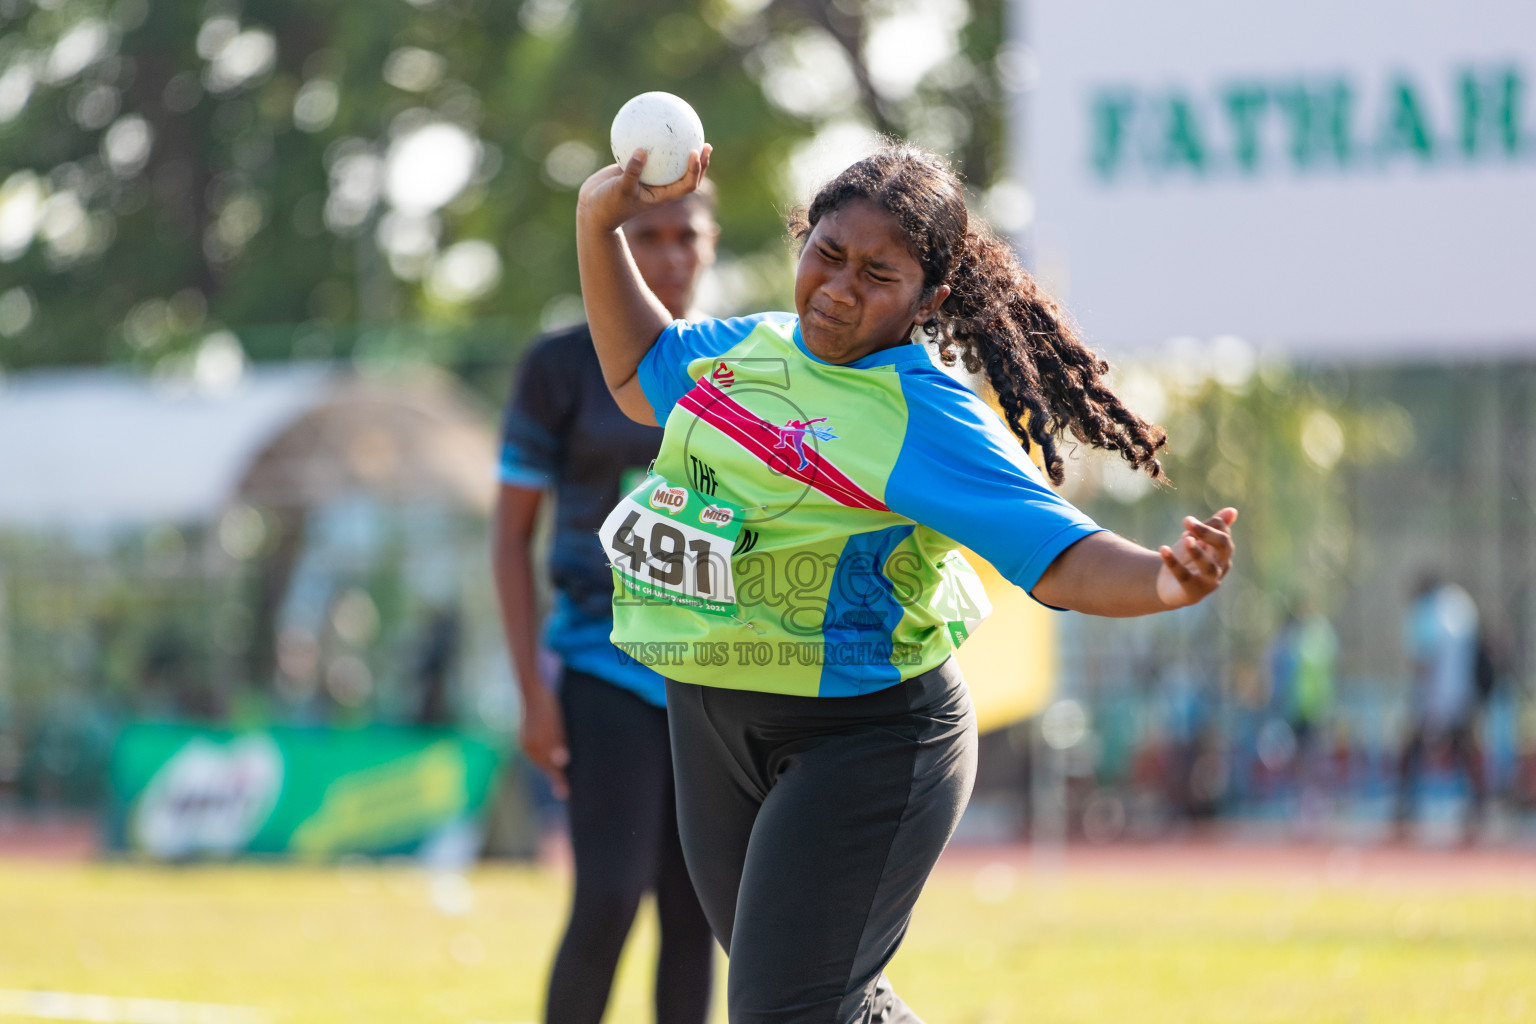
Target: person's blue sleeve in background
[
  {"x": 537, "y": 417},
  {"x": 963, "y": 473},
  {"x": 664, "y": 370}
]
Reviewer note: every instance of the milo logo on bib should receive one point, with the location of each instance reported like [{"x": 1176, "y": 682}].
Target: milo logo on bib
[
  {"x": 714, "y": 515},
  {"x": 670, "y": 499}
]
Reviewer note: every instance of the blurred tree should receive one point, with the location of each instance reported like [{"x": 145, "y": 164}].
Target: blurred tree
[
  {"x": 326, "y": 169},
  {"x": 921, "y": 69}
]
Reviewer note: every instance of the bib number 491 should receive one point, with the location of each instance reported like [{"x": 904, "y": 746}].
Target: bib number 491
[
  {"x": 665, "y": 561},
  {"x": 674, "y": 545}
]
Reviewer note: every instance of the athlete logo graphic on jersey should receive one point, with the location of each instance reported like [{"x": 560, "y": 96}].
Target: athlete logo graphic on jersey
[
  {"x": 724, "y": 376},
  {"x": 792, "y": 435}
]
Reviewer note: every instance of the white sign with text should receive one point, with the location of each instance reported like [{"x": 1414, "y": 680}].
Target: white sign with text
[{"x": 1350, "y": 179}]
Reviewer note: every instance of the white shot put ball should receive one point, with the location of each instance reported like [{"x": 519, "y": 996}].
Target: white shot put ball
[{"x": 665, "y": 127}]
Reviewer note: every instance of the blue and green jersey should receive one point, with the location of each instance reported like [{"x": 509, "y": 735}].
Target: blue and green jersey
[{"x": 857, "y": 485}]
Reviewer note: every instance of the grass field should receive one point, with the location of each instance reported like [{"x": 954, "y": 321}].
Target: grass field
[{"x": 1125, "y": 938}]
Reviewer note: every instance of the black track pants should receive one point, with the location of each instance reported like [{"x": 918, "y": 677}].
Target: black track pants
[
  {"x": 810, "y": 826},
  {"x": 624, "y": 838}
]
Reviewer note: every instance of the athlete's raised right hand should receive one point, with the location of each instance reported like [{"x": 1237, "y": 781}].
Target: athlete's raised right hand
[
  {"x": 542, "y": 737},
  {"x": 614, "y": 194}
]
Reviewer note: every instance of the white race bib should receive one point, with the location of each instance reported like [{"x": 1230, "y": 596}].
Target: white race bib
[{"x": 674, "y": 544}]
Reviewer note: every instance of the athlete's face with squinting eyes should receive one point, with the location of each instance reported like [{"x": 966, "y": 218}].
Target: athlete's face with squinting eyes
[{"x": 858, "y": 288}]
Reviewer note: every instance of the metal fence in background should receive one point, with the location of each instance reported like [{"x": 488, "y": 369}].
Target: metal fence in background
[{"x": 1351, "y": 481}]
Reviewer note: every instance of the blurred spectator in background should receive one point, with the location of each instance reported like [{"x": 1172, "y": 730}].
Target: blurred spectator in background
[
  {"x": 603, "y": 740},
  {"x": 1440, "y": 635},
  {"x": 168, "y": 678},
  {"x": 434, "y": 667},
  {"x": 1302, "y": 660}
]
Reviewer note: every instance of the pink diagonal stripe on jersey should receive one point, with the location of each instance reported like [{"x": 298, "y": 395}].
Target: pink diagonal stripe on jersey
[{"x": 759, "y": 438}]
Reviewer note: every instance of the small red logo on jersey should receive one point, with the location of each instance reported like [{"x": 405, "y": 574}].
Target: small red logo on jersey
[{"x": 723, "y": 377}]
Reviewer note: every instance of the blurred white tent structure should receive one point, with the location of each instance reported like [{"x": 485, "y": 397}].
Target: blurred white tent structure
[{"x": 109, "y": 449}]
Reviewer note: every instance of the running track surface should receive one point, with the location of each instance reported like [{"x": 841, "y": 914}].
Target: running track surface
[
  {"x": 1215, "y": 858},
  {"x": 76, "y": 839}
]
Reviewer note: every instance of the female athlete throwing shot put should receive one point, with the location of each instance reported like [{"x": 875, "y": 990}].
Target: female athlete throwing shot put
[{"x": 804, "y": 600}]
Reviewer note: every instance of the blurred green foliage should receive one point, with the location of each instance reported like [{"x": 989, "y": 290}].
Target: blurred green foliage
[{"x": 172, "y": 169}]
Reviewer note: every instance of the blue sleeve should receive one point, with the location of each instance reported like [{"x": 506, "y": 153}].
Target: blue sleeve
[
  {"x": 537, "y": 419},
  {"x": 664, "y": 370},
  {"x": 963, "y": 473}
]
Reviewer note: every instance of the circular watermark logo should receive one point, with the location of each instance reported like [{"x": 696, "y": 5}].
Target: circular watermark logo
[{"x": 791, "y": 439}]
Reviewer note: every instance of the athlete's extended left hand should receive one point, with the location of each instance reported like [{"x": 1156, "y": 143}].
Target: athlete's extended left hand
[{"x": 1196, "y": 563}]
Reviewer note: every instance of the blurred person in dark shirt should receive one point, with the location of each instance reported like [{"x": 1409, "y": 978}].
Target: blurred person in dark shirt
[{"x": 600, "y": 732}]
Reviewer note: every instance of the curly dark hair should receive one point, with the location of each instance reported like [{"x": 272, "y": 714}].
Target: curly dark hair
[{"x": 996, "y": 317}]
